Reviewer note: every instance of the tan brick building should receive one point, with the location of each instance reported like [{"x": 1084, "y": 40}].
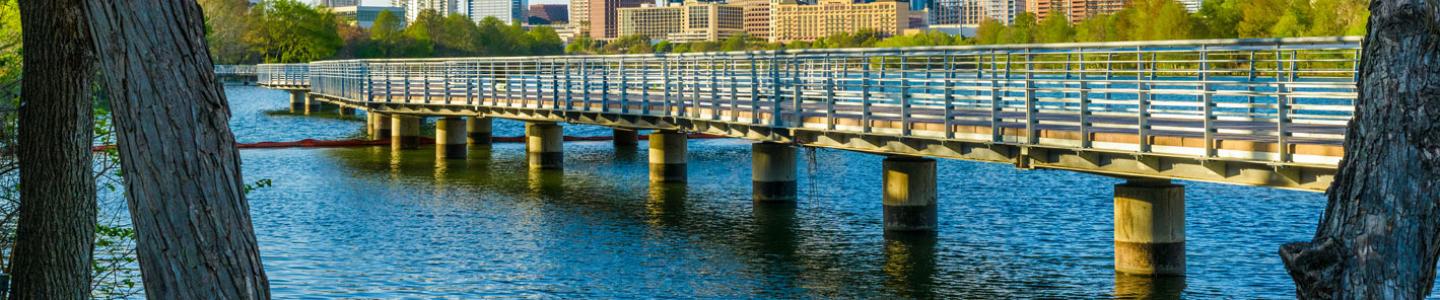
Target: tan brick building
[
  {"x": 1076, "y": 10},
  {"x": 691, "y": 22},
  {"x": 603, "y": 20},
  {"x": 797, "y": 22},
  {"x": 756, "y": 17}
]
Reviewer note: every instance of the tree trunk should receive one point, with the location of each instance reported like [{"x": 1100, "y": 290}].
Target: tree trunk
[
  {"x": 55, "y": 237},
  {"x": 1380, "y": 234},
  {"x": 182, "y": 171}
]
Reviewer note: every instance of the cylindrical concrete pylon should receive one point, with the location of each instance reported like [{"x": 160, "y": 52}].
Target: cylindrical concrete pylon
[
  {"x": 312, "y": 105},
  {"x": 404, "y": 132},
  {"x": 667, "y": 156},
  {"x": 477, "y": 131},
  {"x": 298, "y": 101},
  {"x": 1150, "y": 228},
  {"x": 626, "y": 137},
  {"x": 772, "y": 172},
  {"x": 378, "y": 124},
  {"x": 544, "y": 142},
  {"x": 909, "y": 193},
  {"x": 450, "y": 137}
]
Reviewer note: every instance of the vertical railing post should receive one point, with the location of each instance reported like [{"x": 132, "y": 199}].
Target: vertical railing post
[
  {"x": 904, "y": 96},
  {"x": 949, "y": 116},
  {"x": 585, "y": 85},
  {"x": 1282, "y": 106},
  {"x": 1032, "y": 129},
  {"x": 997, "y": 96},
  {"x": 829, "y": 92},
  {"x": 1208, "y": 102},
  {"x": 1085, "y": 139},
  {"x": 665, "y": 78},
  {"x": 755, "y": 91},
  {"x": 734, "y": 89},
  {"x": 714, "y": 87},
  {"x": 776, "y": 93},
  {"x": 1142, "y": 111},
  {"x": 604, "y": 86},
  {"x": 865, "y": 93},
  {"x": 367, "y": 86},
  {"x": 797, "y": 66},
  {"x": 645, "y": 66}
]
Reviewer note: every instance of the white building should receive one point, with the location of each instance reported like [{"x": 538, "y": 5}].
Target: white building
[{"x": 508, "y": 11}]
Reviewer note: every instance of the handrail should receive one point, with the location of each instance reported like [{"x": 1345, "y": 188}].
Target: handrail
[{"x": 1280, "y": 92}]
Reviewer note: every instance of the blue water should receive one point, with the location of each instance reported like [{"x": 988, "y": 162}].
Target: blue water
[{"x": 371, "y": 223}]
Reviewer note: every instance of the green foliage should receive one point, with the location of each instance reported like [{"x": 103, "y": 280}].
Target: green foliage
[
  {"x": 1055, "y": 28},
  {"x": 287, "y": 31},
  {"x": 259, "y": 184},
  {"x": 1021, "y": 31},
  {"x": 1168, "y": 20}
]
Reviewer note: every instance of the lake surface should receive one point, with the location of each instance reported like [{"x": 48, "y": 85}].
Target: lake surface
[{"x": 368, "y": 222}]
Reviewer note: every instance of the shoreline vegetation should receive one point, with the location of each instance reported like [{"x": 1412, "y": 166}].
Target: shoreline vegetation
[{"x": 288, "y": 31}]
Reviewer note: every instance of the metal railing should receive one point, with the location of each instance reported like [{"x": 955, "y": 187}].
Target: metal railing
[
  {"x": 235, "y": 70},
  {"x": 1279, "y": 91},
  {"x": 283, "y": 74}
]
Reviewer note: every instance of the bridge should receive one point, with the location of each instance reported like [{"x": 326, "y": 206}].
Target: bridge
[
  {"x": 241, "y": 73},
  {"x": 1261, "y": 112}
]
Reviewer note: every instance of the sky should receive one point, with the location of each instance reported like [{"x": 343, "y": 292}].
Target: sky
[{"x": 387, "y": 2}]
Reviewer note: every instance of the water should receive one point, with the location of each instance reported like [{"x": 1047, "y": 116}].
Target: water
[{"x": 371, "y": 223}]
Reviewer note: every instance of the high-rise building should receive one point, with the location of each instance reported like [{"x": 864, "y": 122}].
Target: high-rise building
[
  {"x": 1001, "y": 10},
  {"x": 1074, "y": 10},
  {"x": 508, "y": 11},
  {"x": 541, "y": 14},
  {"x": 443, "y": 7},
  {"x": 954, "y": 12},
  {"x": 756, "y": 17},
  {"x": 364, "y": 16},
  {"x": 603, "y": 16},
  {"x": 796, "y": 22},
  {"x": 690, "y": 22},
  {"x": 579, "y": 17},
  {"x": 339, "y": 3}
]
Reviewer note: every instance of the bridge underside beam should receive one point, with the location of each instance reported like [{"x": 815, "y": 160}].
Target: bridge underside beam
[{"x": 1046, "y": 155}]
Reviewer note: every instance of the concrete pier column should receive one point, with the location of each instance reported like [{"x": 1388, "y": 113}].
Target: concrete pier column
[
  {"x": 909, "y": 199},
  {"x": 543, "y": 145},
  {"x": 312, "y": 105},
  {"x": 1150, "y": 228},
  {"x": 378, "y": 124},
  {"x": 404, "y": 132},
  {"x": 298, "y": 101},
  {"x": 450, "y": 138},
  {"x": 667, "y": 156},
  {"x": 626, "y": 137},
  {"x": 772, "y": 172},
  {"x": 477, "y": 131}
]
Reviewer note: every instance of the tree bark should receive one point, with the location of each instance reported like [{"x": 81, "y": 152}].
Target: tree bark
[
  {"x": 1380, "y": 235},
  {"x": 55, "y": 237},
  {"x": 182, "y": 170}
]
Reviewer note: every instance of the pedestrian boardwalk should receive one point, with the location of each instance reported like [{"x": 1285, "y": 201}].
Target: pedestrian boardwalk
[{"x": 1266, "y": 112}]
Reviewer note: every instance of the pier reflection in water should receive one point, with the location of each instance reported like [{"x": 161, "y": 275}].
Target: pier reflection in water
[{"x": 375, "y": 223}]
